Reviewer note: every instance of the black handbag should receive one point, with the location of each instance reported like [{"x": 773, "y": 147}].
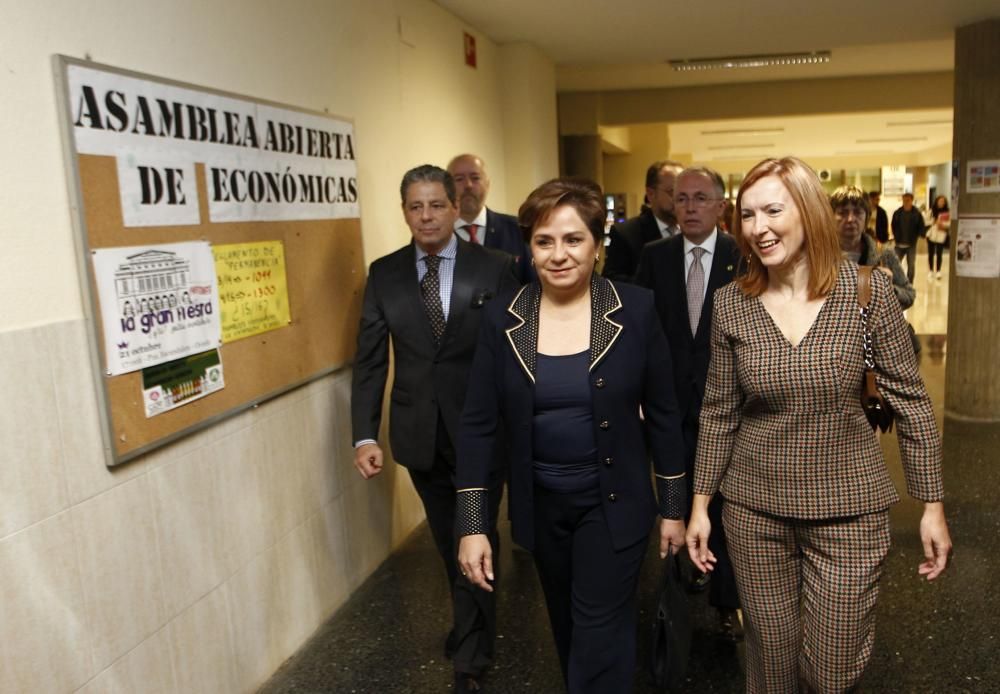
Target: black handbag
[
  {"x": 877, "y": 410},
  {"x": 671, "y": 637}
]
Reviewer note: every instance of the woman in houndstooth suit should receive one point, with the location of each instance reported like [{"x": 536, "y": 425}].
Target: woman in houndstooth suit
[{"x": 784, "y": 438}]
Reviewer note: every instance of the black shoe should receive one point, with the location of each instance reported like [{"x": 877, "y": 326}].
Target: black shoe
[
  {"x": 465, "y": 683},
  {"x": 730, "y": 626},
  {"x": 699, "y": 581}
]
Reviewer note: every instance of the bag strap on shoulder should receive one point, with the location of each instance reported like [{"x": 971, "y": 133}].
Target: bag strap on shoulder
[{"x": 864, "y": 285}]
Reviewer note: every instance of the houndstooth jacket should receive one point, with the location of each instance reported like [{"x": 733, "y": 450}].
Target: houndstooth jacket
[{"x": 782, "y": 429}]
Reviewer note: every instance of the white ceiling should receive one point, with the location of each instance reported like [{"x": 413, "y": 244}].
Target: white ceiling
[
  {"x": 603, "y": 45},
  {"x": 638, "y": 36},
  {"x": 845, "y": 135}
]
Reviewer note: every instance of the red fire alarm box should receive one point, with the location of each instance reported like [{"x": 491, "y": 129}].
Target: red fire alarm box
[{"x": 470, "y": 50}]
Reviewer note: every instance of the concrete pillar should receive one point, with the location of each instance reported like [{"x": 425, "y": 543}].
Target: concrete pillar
[
  {"x": 972, "y": 377},
  {"x": 582, "y": 156}
]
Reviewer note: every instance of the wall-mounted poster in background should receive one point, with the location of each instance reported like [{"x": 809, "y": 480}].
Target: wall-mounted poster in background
[
  {"x": 158, "y": 303},
  {"x": 252, "y": 290},
  {"x": 983, "y": 177},
  {"x": 977, "y": 248}
]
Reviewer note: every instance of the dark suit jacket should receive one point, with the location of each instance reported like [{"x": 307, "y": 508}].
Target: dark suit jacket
[
  {"x": 503, "y": 233},
  {"x": 627, "y": 241},
  {"x": 661, "y": 268},
  {"x": 630, "y": 366},
  {"x": 428, "y": 378},
  {"x": 881, "y": 225}
]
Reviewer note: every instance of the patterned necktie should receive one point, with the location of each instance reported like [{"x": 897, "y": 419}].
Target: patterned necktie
[
  {"x": 695, "y": 288},
  {"x": 471, "y": 228},
  {"x": 430, "y": 289}
]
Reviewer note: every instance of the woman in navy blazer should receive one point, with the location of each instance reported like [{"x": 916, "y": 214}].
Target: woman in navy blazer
[{"x": 561, "y": 372}]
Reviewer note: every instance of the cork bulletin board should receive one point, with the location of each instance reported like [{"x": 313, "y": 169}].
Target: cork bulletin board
[{"x": 167, "y": 178}]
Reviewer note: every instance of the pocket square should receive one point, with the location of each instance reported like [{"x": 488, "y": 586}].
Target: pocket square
[{"x": 480, "y": 298}]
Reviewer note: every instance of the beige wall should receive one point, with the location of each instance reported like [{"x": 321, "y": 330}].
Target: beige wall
[
  {"x": 202, "y": 566},
  {"x": 531, "y": 152},
  {"x": 626, "y": 173}
]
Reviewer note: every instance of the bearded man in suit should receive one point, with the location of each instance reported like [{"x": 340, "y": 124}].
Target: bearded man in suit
[
  {"x": 684, "y": 272},
  {"x": 477, "y": 223},
  {"x": 428, "y": 298},
  {"x": 656, "y": 221}
]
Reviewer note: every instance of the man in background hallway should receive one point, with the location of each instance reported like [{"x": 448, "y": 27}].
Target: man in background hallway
[
  {"x": 684, "y": 272},
  {"x": 655, "y": 221},
  {"x": 907, "y": 227},
  {"x": 878, "y": 220},
  {"x": 479, "y": 224},
  {"x": 428, "y": 297}
]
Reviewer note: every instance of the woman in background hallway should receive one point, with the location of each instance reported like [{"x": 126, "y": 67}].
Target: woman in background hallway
[
  {"x": 937, "y": 235},
  {"x": 565, "y": 367},
  {"x": 784, "y": 437},
  {"x": 851, "y": 208}
]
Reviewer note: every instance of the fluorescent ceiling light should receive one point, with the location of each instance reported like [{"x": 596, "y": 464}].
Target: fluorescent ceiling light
[
  {"x": 755, "y": 145},
  {"x": 743, "y": 131},
  {"x": 891, "y": 139},
  {"x": 746, "y": 61},
  {"x": 856, "y": 152},
  {"x": 898, "y": 123}
]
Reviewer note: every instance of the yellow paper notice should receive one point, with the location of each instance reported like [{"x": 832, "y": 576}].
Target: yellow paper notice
[{"x": 253, "y": 294}]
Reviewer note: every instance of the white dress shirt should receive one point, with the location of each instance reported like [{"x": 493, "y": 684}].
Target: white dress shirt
[
  {"x": 706, "y": 258},
  {"x": 479, "y": 221},
  {"x": 666, "y": 230}
]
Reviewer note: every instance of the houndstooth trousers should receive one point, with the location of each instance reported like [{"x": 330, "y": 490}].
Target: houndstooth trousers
[{"x": 808, "y": 590}]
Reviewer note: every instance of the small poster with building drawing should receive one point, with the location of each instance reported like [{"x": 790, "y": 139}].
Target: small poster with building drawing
[
  {"x": 157, "y": 303},
  {"x": 168, "y": 386}
]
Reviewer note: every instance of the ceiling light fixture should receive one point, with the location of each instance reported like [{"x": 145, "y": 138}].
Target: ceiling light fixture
[
  {"x": 746, "y": 61},
  {"x": 898, "y": 123},
  {"x": 755, "y": 145},
  {"x": 868, "y": 140},
  {"x": 743, "y": 131}
]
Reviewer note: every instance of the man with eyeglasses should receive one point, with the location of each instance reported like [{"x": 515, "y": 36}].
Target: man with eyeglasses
[
  {"x": 684, "y": 272},
  {"x": 656, "y": 221}
]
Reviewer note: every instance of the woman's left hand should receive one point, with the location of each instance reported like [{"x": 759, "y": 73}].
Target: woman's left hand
[
  {"x": 936, "y": 540},
  {"x": 671, "y": 536}
]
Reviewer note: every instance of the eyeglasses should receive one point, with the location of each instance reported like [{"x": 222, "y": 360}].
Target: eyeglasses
[{"x": 698, "y": 200}]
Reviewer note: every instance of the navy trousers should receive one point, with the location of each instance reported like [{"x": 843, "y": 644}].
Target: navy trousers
[{"x": 589, "y": 591}]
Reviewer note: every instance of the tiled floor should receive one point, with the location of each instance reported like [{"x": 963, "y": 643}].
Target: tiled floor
[
  {"x": 929, "y": 313},
  {"x": 936, "y": 637}
]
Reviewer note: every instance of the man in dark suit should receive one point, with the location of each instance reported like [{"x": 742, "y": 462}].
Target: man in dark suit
[
  {"x": 878, "y": 222},
  {"x": 684, "y": 273},
  {"x": 428, "y": 297},
  {"x": 656, "y": 221},
  {"x": 479, "y": 224},
  {"x": 907, "y": 226}
]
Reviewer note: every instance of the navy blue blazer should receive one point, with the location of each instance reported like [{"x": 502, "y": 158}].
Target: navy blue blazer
[
  {"x": 626, "y": 243},
  {"x": 661, "y": 268},
  {"x": 629, "y": 368},
  {"x": 503, "y": 233}
]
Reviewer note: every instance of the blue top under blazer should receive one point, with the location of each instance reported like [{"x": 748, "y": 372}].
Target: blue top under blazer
[{"x": 629, "y": 367}]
